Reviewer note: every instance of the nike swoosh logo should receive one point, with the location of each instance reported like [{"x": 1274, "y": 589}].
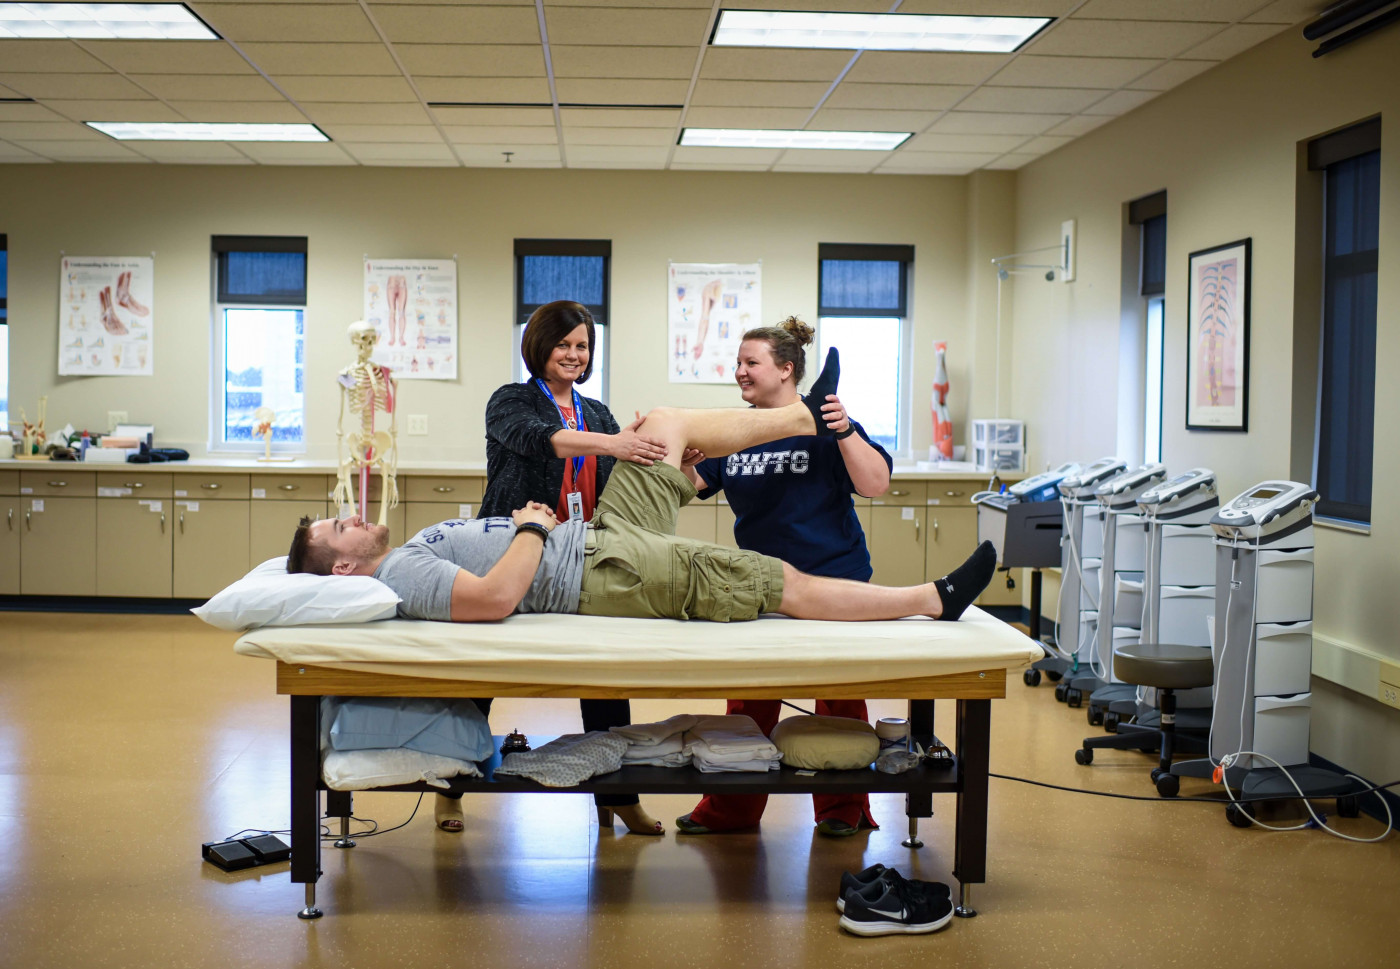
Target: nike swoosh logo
[{"x": 890, "y": 915}]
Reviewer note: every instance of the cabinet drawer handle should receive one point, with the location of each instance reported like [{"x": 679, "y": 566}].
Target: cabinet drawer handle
[
  {"x": 935, "y": 529},
  {"x": 916, "y": 528},
  {"x": 444, "y": 489},
  {"x": 952, "y": 494},
  {"x": 134, "y": 484},
  {"x": 898, "y": 494},
  {"x": 28, "y": 522},
  {"x": 182, "y": 523},
  {"x": 211, "y": 486},
  {"x": 162, "y": 523},
  {"x": 290, "y": 487},
  {"x": 58, "y": 484},
  {"x": 10, "y": 519}
]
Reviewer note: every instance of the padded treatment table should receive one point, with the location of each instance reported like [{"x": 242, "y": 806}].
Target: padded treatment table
[{"x": 594, "y": 657}]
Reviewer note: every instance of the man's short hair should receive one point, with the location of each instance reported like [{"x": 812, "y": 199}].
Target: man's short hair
[
  {"x": 304, "y": 555},
  {"x": 547, "y": 326}
]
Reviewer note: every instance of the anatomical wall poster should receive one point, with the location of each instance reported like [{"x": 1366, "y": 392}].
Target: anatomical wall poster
[
  {"x": 106, "y": 316},
  {"x": 412, "y": 303},
  {"x": 709, "y": 306}
]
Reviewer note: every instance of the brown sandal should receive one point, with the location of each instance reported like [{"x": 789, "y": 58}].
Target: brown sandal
[{"x": 632, "y": 815}]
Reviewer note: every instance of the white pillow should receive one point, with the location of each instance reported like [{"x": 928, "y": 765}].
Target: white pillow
[
  {"x": 270, "y": 596},
  {"x": 359, "y": 770}
]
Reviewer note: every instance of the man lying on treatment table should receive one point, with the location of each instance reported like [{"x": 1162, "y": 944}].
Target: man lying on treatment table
[{"x": 628, "y": 560}]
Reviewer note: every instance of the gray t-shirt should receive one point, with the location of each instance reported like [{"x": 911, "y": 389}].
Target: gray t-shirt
[{"x": 421, "y": 571}]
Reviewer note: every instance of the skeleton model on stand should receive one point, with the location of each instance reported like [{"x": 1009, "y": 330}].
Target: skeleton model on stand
[{"x": 368, "y": 389}]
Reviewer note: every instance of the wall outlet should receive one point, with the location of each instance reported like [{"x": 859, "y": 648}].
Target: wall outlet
[
  {"x": 1389, "y": 692},
  {"x": 417, "y": 424},
  {"x": 115, "y": 417}
]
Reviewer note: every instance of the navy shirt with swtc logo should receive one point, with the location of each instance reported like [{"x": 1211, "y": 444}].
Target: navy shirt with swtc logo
[{"x": 792, "y": 500}]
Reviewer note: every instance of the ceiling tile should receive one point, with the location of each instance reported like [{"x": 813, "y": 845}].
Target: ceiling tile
[
  {"x": 988, "y": 8},
  {"x": 252, "y": 112},
  {"x": 322, "y": 112},
  {"x": 147, "y": 110},
  {"x": 768, "y": 64},
  {"x": 694, "y": 4},
  {"x": 55, "y": 129},
  {"x": 834, "y": 6},
  {"x": 343, "y": 88},
  {"x": 43, "y": 86},
  {"x": 1289, "y": 11},
  {"x": 1170, "y": 74},
  {"x": 382, "y": 132},
  {"x": 983, "y": 123},
  {"x": 746, "y": 117},
  {"x": 485, "y": 90},
  {"x": 170, "y": 56},
  {"x": 637, "y": 26},
  {"x": 208, "y": 87},
  {"x": 472, "y": 60},
  {"x": 1101, "y": 72},
  {"x": 588, "y": 90},
  {"x": 939, "y": 142},
  {"x": 194, "y": 153},
  {"x": 1233, "y": 40},
  {"x": 1219, "y": 11},
  {"x": 1031, "y": 99},
  {"x": 290, "y": 22},
  {"x": 1121, "y": 38},
  {"x": 10, "y": 93},
  {"x": 773, "y": 94},
  {"x": 494, "y": 116},
  {"x": 650, "y": 157},
  {"x": 1121, "y": 102},
  {"x": 409, "y": 163},
  {"x": 664, "y": 62},
  {"x": 1011, "y": 162},
  {"x": 48, "y": 56},
  {"x": 525, "y": 156},
  {"x": 796, "y": 168},
  {"x": 296, "y": 153},
  {"x": 415, "y": 24},
  {"x": 620, "y": 117},
  {"x": 26, "y": 111},
  {"x": 845, "y": 119},
  {"x": 501, "y": 135},
  {"x": 726, "y": 156},
  {"x": 943, "y": 159},
  {"x": 619, "y": 136},
  {"x": 1079, "y": 125},
  {"x": 912, "y": 97},
  {"x": 105, "y": 150},
  {"x": 1045, "y": 144},
  {"x": 415, "y": 150},
  {"x": 859, "y": 160},
  {"x": 15, "y": 154},
  {"x": 358, "y": 59},
  {"x": 897, "y": 167},
  {"x": 715, "y": 167},
  {"x": 915, "y": 67}
]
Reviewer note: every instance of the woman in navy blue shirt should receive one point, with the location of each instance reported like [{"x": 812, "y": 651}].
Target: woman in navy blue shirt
[{"x": 792, "y": 498}]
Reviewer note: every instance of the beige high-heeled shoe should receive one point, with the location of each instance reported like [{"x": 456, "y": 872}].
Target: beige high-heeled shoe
[
  {"x": 447, "y": 812},
  {"x": 632, "y": 815}
]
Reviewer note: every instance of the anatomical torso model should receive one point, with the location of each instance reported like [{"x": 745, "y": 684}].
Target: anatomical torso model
[{"x": 369, "y": 390}]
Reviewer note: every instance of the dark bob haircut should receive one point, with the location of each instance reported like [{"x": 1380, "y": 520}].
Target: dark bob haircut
[{"x": 547, "y": 326}]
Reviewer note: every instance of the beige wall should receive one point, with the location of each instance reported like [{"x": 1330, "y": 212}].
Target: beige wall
[
  {"x": 1224, "y": 146},
  {"x": 651, "y": 217}
]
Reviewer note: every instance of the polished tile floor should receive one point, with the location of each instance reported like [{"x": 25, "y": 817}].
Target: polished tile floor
[{"x": 126, "y": 741}]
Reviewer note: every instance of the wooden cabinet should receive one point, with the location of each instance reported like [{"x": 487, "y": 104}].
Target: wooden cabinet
[
  {"x": 419, "y": 515},
  {"x": 57, "y": 553},
  {"x": 952, "y": 535},
  {"x": 896, "y": 539},
  {"x": 10, "y": 528},
  {"x": 697, "y": 521},
  {"x": 134, "y": 537},
  {"x": 211, "y": 542},
  {"x": 271, "y": 524}
]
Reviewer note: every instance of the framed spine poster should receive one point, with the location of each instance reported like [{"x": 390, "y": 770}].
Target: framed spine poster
[{"x": 1217, "y": 325}]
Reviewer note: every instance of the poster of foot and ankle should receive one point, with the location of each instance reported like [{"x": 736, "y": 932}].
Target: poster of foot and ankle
[
  {"x": 412, "y": 303},
  {"x": 709, "y": 307},
  {"x": 106, "y": 316}
]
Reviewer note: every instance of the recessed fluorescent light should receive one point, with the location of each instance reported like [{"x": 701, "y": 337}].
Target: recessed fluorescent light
[
  {"x": 779, "y": 138},
  {"x": 103, "y": 21},
  {"x": 874, "y": 31},
  {"x": 193, "y": 131}
]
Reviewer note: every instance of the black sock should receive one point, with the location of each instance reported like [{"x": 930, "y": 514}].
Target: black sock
[
  {"x": 824, "y": 384},
  {"x": 959, "y": 587}
]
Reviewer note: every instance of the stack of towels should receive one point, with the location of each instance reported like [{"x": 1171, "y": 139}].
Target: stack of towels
[
  {"x": 657, "y": 744},
  {"x": 730, "y": 743}
]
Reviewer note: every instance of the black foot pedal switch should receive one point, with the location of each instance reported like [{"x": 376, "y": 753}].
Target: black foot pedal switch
[{"x": 265, "y": 849}]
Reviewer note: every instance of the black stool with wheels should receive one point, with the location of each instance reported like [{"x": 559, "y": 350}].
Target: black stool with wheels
[{"x": 1167, "y": 667}]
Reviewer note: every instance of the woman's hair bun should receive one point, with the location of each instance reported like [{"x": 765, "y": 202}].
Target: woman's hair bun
[{"x": 800, "y": 331}]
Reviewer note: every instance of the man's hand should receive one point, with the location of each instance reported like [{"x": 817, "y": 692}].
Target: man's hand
[
  {"x": 537, "y": 513},
  {"x": 628, "y": 445},
  {"x": 691, "y": 456}
]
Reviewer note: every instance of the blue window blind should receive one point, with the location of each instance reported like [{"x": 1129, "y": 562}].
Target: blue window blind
[
  {"x": 551, "y": 269},
  {"x": 863, "y": 280},
  {"x": 1347, "y": 377},
  {"x": 264, "y": 270}
]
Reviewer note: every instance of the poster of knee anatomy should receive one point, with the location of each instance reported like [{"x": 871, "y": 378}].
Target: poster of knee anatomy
[
  {"x": 709, "y": 306},
  {"x": 105, "y": 316},
  {"x": 413, "y": 305}
]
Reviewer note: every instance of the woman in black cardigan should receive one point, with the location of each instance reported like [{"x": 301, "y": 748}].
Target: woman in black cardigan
[{"x": 546, "y": 442}]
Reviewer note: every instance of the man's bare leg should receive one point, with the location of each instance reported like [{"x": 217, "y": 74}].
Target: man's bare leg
[
  {"x": 817, "y": 597},
  {"x": 724, "y": 430}
]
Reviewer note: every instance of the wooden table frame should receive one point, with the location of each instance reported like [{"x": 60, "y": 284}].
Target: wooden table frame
[{"x": 964, "y": 774}]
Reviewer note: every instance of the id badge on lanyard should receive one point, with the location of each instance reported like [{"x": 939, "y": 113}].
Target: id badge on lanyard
[{"x": 574, "y": 498}]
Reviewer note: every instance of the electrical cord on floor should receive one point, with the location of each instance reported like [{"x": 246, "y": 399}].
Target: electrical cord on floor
[
  {"x": 1369, "y": 789},
  {"x": 375, "y": 830}
]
